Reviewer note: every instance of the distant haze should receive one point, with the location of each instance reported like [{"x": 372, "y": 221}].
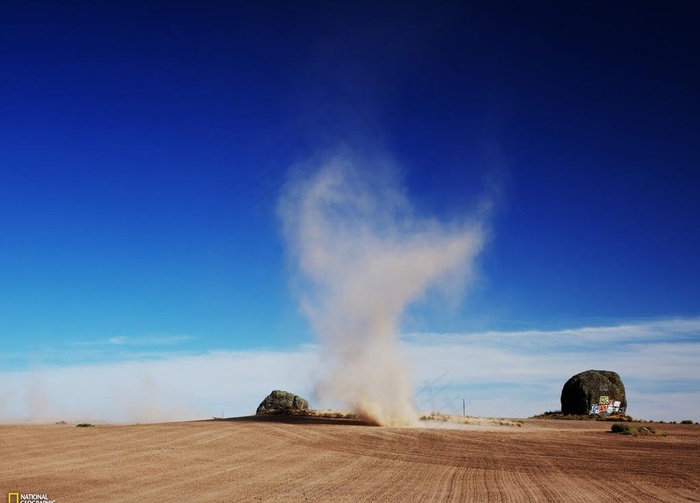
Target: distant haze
[{"x": 363, "y": 254}]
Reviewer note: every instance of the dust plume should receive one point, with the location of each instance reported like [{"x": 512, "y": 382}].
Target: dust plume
[{"x": 363, "y": 255}]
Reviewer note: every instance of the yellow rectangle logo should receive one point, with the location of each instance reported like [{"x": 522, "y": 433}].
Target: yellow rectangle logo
[{"x": 12, "y": 497}]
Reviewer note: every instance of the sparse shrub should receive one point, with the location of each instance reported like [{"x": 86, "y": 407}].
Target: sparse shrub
[
  {"x": 621, "y": 428},
  {"x": 651, "y": 432},
  {"x": 84, "y": 425},
  {"x": 613, "y": 417},
  {"x": 687, "y": 421},
  {"x": 585, "y": 417},
  {"x": 642, "y": 431},
  {"x": 549, "y": 413}
]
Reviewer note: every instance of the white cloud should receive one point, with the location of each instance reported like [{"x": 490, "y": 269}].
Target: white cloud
[
  {"x": 497, "y": 374},
  {"x": 522, "y": 373},
  {"x": 142, "y": 340},
  {"x": 176, "y": 388}
]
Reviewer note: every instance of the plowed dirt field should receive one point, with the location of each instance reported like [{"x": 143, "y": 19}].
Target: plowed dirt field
[{"x": 315, "y": 459}]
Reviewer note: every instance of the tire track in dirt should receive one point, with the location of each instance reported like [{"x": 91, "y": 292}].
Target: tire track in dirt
[{"x": 287, "y": 461}]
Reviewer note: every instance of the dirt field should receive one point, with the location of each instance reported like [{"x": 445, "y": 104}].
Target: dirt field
[{"x": 312, "y": 459}]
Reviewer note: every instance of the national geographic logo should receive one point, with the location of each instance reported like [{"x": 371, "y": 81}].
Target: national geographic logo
[{"x": 28, "y": 498}]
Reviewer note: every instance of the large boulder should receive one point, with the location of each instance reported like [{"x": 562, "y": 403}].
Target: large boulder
[
  {"x": 281, "y": 402},
  {"x": 594, "y": 392}
]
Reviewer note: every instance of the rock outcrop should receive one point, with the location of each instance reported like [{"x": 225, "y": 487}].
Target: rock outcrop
[
  {"x": 282, "y": 402},
  {"x": 594, "y": 392}
]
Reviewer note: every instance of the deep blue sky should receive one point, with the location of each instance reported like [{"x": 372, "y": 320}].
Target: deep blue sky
[{"x": 143, "y": 146}]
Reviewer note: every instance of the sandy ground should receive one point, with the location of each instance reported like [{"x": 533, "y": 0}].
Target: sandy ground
[{"x": 314, "y": 459}]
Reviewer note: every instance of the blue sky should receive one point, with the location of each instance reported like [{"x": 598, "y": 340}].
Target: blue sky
[{"x": 144, "y": 147}]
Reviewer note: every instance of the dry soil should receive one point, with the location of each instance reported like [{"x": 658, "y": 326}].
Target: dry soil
[{"x": 315, "y": 459}]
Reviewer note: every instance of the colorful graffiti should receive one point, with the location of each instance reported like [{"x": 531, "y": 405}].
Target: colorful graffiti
[{"x": 607, "y": 406}]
